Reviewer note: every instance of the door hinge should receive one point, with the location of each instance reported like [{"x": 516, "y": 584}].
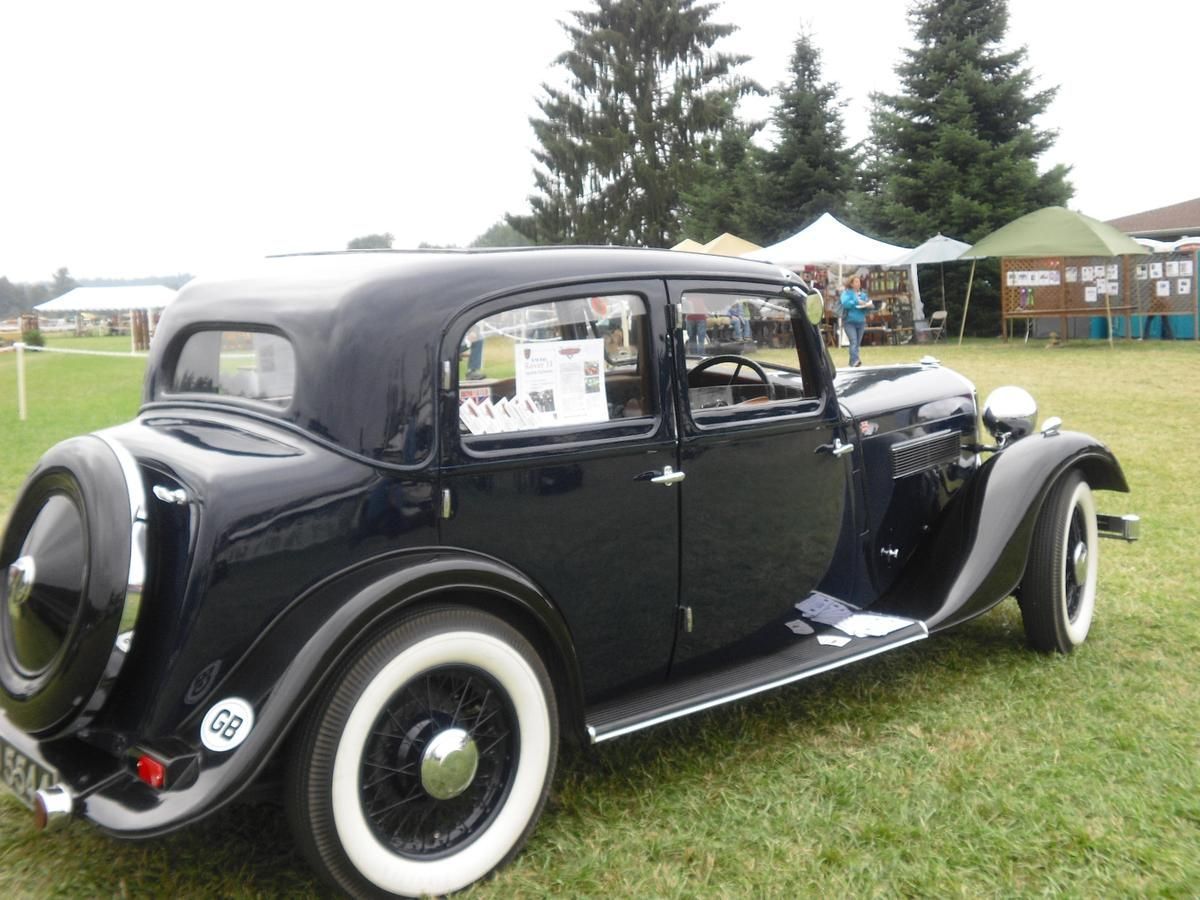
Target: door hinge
[
  {"x": 677, "y": 312},
  {"x": 447, "y": 508},
  {"x": 688, "y": 622},
  {"x": 447, "y": 381}
]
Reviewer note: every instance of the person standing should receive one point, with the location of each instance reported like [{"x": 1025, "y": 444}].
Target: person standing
[
  {"x": 697, "y": 329},
  {"x": 855, "y": 303}
]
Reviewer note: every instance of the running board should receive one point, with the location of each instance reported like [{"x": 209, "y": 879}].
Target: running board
[{"x": 802, "y": 659}]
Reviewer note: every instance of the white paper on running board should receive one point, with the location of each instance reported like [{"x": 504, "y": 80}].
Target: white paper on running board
[
  {"x": 870, "y": 625},
  {"x": 824, "y": 609},
  {"x": 799, "y": 626},
  {"x": 832, "y": 640}
]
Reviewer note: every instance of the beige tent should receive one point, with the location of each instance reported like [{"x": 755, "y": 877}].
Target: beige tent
[
  {"x": 689, "y": 245},
  {"x": 730, "y": 245}
]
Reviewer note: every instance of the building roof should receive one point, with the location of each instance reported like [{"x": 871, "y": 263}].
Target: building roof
[{"x": 1175, "y": 220}]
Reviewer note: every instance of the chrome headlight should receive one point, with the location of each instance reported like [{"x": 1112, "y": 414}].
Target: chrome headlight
[{"x": 1009, "y": 413}]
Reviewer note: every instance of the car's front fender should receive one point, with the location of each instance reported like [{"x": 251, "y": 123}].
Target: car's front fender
[{"x": 976, "y": 554}]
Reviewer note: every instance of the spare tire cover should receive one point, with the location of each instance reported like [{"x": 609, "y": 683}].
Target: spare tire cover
[{"x": 66, "y": 564}]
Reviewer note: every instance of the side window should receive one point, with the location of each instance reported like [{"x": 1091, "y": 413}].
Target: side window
[
  {"x": 553, "y": 365},
  {"x": 251, "y": 364},
  {"x": 744, "y": 357}
]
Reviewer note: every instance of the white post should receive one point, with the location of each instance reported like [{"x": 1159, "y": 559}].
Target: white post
[{"x": 20, "y": 380}]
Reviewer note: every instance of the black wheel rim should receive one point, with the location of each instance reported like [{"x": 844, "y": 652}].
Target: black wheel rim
[
  {"x": 399, "y": 810},
  {"x": 1076, "y": 535}
]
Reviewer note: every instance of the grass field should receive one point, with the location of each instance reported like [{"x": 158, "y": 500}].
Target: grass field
[{"x": 963, "y": 766}]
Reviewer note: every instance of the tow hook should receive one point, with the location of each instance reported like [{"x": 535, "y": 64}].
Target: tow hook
[{"x": 52, "y": 806}]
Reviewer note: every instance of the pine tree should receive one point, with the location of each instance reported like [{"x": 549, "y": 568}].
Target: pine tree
[
  {"x": 957, "y": 149},
  {"x": 728, "y": 191},
  {"x": 63, "y": 283},
  {"x": 810, "y": 169},
  {"x": 617, "y": 144},
  {"x": 371, "y": 242}
]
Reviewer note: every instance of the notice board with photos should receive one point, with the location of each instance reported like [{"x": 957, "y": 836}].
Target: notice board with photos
[
  {"x": 1062, "y": 287},
  {"x": 1125, "y": 286},
  {"x": 1165, "y": 284}
]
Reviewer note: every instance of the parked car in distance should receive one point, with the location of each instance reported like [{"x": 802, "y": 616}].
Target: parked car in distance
[{"x": 323, "y": 559}]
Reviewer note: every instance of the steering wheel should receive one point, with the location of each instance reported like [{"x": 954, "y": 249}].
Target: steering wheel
[{"x": 739, "y": 362}]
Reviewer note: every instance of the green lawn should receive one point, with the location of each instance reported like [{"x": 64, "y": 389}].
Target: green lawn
[{"x": 962, "y": 766}]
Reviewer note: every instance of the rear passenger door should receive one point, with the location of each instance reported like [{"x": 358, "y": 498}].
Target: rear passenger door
[{"x": 559, "y": 416}]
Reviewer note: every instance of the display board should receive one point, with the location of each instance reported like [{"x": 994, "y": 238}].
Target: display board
[{"x": 1131, "y": 288}]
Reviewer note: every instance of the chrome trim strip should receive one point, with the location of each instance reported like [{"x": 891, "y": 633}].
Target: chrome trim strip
[
  {"x": 135, "y": 581},
  {"x": 789, "y": 679},
  {"x": 137, "y": 504}
]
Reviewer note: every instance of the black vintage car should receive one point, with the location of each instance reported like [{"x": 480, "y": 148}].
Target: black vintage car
[{"x": 324, "y": 557}]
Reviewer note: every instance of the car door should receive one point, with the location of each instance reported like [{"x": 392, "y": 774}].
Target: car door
[
  {"x": 563, "y": 493},
  {"x": 765, "y": 488}
]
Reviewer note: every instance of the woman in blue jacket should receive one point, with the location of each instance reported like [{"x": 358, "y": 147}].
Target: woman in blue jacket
[{"x": 854, "y": 316}]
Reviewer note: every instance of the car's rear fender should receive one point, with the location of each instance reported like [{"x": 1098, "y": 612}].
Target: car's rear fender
[
  {"x": 976, "y": 555},
  {"x": 322, "y": 628}
]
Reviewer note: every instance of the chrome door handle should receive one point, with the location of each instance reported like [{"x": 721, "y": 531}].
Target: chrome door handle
[
  {"x": 668, "y": 476},
  {"x": 837, "y": 448}
]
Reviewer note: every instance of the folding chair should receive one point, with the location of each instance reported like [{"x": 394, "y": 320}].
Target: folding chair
[{"x": 937, "y": 325}]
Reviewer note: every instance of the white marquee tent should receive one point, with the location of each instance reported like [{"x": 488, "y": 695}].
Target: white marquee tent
[
  {"x": 110, "y": 299},
  {"x": 119, "y": 298},
  {"x": 828, "y": 242}
]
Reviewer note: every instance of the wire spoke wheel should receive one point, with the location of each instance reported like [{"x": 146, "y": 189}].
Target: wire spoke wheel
[
  {"x": 427, "y": 760},
  {"x": 414, "y": 800}
]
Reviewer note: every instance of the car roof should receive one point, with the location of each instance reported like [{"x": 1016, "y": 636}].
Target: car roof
[
  {"x": 328, "y": 279},
  {"x": 365, "y": 325}
]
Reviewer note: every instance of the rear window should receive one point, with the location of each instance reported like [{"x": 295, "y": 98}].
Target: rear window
[{"x": 255, "y": 365}]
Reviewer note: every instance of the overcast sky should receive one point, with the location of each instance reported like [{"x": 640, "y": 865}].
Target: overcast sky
[{"x": 155, "y": 138}]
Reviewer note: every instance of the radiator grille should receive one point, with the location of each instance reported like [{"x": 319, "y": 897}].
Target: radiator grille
[{"x": 925, "y": 452}]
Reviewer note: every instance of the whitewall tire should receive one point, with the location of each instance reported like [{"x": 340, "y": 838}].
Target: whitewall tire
[
  {"x": 428, "y": 760},
  {"x": 1058, "y": 594}
]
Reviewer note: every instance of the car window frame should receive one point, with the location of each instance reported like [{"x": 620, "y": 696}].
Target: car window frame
[
  {"x": 778, "y": 412},
  {"x": 167, "y": 394},
  {"x": 586, "y": 435}
]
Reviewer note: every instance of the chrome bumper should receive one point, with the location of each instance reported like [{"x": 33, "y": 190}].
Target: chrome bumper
[{"x": 1122, "y": 528}]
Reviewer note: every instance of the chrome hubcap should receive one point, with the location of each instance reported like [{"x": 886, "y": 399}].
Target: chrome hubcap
[
  {"x": 21, "y": 576},
  {"x": 1079, "y": 561},
  {"x": 448, "y": 764}
]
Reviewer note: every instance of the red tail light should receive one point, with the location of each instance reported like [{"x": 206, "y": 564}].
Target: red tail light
[{"x": 151, "y": 771}]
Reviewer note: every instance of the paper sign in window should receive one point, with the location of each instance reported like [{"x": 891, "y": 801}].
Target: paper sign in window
[{"x": 564, "y": 380}]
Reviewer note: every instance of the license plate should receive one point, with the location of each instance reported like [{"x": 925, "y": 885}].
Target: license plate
[{"x": 23, "y": 775}]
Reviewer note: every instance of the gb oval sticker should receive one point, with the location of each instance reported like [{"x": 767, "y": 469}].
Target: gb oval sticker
[{"x": 226, "y": 724}]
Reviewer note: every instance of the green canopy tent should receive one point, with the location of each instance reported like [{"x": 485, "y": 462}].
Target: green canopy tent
[{"x": 1053, "y": 231}]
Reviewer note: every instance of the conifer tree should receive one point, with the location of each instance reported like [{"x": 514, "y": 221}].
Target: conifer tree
[
  {"x": 728, "y": 191},
  {"x": 810, "y": 170},
  {"x": 619, "y": 142},
  {"x": 957, "y": 149}
]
